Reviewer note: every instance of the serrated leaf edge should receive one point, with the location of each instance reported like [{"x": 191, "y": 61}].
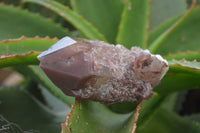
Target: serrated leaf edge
[
  {"x": 157, "y": 42},
  {"x": 95, "y": 33},
  {"x": 35, "y": 14},
  {"x": 28, "y": 38},
  {"x": 68, "y": 116}
]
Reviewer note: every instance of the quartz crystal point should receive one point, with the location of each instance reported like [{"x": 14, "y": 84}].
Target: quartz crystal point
[{"x": 98, "y": 71}]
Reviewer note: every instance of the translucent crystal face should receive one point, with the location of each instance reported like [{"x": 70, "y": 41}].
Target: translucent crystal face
[{"x": 102, "y": 72}]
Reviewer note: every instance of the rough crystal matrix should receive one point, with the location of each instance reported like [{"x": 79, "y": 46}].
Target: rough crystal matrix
[{"x": 99, "y": 71}]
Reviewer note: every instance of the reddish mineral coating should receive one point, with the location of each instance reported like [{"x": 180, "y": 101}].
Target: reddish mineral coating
[{"x": 99, "y": 71}]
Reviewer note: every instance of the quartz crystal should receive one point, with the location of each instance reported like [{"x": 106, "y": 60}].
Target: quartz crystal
[{"x": 98, "y": 71}]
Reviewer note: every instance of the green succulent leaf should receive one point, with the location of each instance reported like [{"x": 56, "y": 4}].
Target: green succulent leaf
[
  {"x": 189, "y": 55},
  {"x": 165, "y": 121},
  {"x": 26, "y": 113},
  {"x": 154, "y": 34},
  {"x": 182, "y": 36},
  {"x": 133, "y": 30},
  {"x": 23, "y": 51},
  {"x": 24, "y": 45},
  {"x": 87, "y": 116},
  {"x": 182, "y": 75},
  {"x": 162, "y": 10},
  {"x": 75, "y": 19},
  {"x": 103, "y": 14},
  {"x": 174, "y": 82},
  {"x": 16, "y": 22},
  {"x": 159, "y": 40},
  {"x": 184, "y": 67},
  {"x": 149, "y": 108},
  {"x": 171, "y": 102}
]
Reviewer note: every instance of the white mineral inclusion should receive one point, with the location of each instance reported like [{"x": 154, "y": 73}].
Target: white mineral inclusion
[
  {"x": 64, "y": 42},
  {"x": 161, "y": 59}
]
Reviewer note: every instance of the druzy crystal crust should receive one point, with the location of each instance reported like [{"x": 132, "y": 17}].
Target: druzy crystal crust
[{"x": 99, "y": 71}]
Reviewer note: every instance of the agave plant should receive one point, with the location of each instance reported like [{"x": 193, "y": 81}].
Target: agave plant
[{"x": 169, "y": 28}]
